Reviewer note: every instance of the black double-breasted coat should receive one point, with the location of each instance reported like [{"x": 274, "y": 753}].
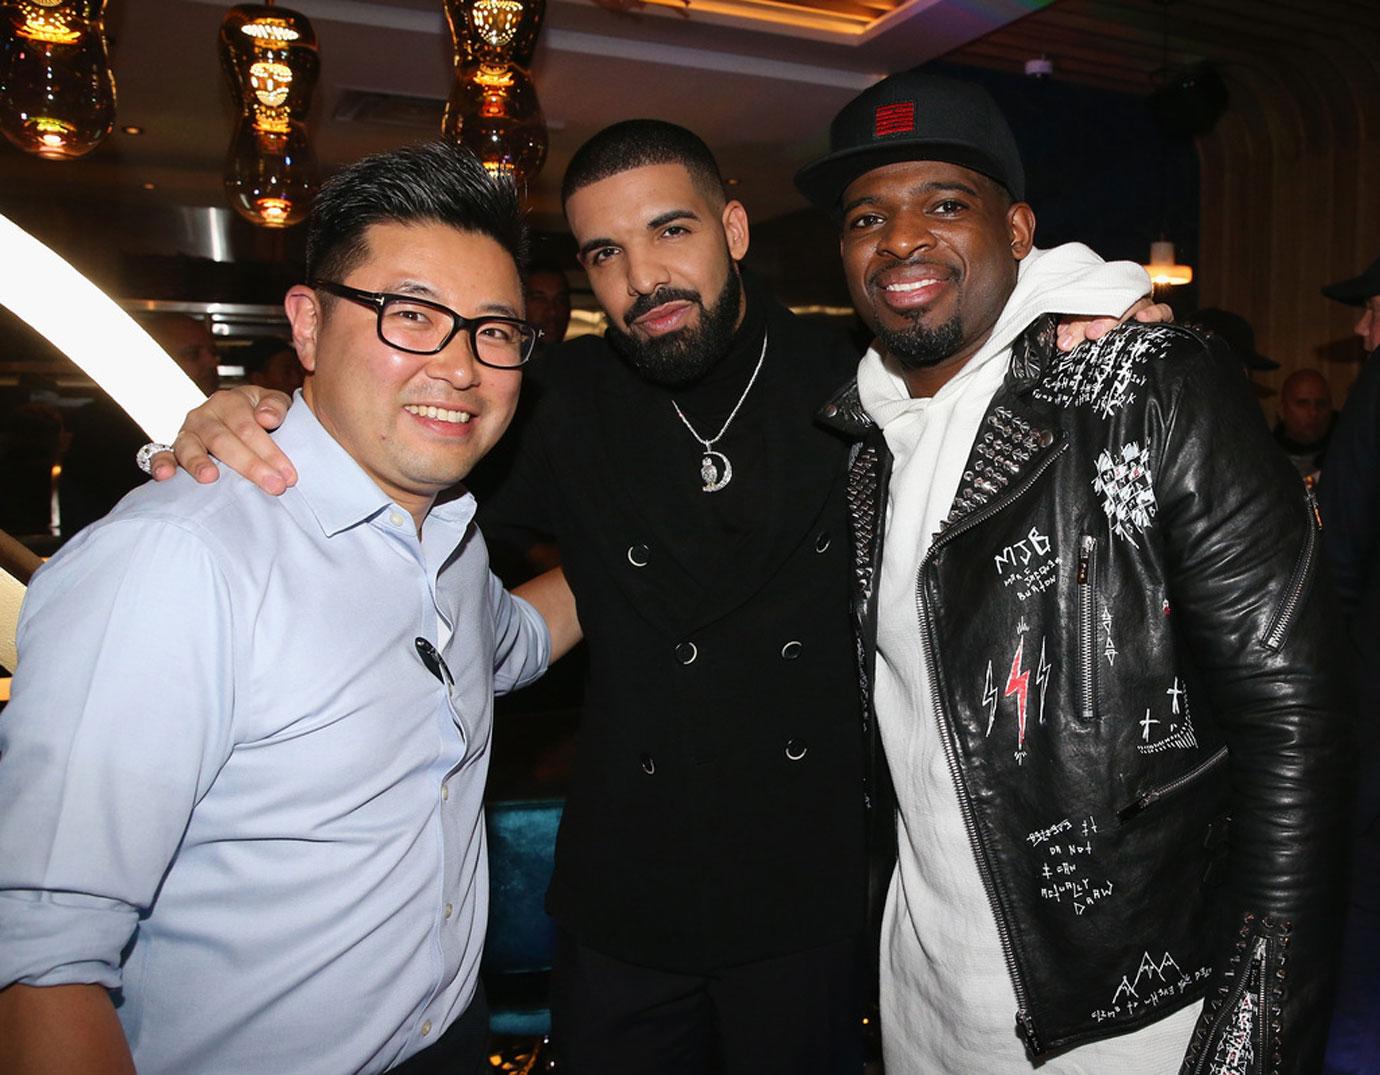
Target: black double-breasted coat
[{"x": 716, "y": 814}]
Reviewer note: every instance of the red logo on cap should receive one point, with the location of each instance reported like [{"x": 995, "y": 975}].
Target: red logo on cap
[{"x": 894, "y": 119}]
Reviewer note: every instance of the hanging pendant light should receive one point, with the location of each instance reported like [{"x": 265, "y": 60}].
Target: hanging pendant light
[
  {"x": 57, "y": 93},
  {"x": 1162, "y": 267},
  {"x": 493, "y": 108},
  {"x": 270, "y": 58}
]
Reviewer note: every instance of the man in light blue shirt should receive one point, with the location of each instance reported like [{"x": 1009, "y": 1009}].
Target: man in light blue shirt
[{"x": 267, "y": 853}]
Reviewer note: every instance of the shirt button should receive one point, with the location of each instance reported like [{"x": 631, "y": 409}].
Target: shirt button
[
  {"x": 648, "y": 764},
  {"x": 822, "y": 542},
  {"x": 445, "y": 792},
  {"x": 395, "y": 518},
  {"x": 450, "y": 910},
  {"x": 686, "y": 652},
  {"x": 796, "y": 748},
  {"x": 426, "y": 1028},
  {"x": 790, "y": 651},
  {"x": 637, "y": 555}
]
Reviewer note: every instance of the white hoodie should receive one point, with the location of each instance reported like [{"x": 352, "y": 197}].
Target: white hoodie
[{"x": 948, "y": 1004}]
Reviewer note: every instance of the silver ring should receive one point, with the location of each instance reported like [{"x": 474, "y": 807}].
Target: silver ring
[{"x": 144, "y": 456}]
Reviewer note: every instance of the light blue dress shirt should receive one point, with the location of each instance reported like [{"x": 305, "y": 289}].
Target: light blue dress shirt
[{"x": 232, "y": 790}]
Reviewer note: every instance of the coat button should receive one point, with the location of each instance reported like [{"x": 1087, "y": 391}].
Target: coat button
[
  {"x": 638, "y": 555},
  {"x": 1046, "y": 438},
  {"x": 822, "y": 542},
  {"x": 686, "y": 652},
  {"x": 831, "y": 410},
  {"x": 648, "y": 764},
  {"x": 796, "y": 748},
  {"x": 790, "y": 651}
]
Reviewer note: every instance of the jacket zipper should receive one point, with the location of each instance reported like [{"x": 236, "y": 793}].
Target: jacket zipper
[
  {"x": 1155, "y": 794},
  {"x": 1243, "y": 983},
  {"x": 1087, "y": 626},
  {"x": 1025, "y": 1027},
  {"x": 1303, "y": 570}
]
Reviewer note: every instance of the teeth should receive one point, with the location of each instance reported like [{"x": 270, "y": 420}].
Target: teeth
[
  {"x": 914, "y": 285},
  {"x": 441, "y": 414}
]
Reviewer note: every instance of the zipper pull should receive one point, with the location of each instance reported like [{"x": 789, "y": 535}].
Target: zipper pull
[
  {"x": 1025, "y": 1030},
  {"x": 1085, "y": 558},
  {"x": 1313, "y": 503}
]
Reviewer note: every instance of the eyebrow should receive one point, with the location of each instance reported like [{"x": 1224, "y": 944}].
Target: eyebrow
[
  {"x": 924, "y": 188},
  {"x": 658, "y": 221},
  {"x": 422, "y": 291}
]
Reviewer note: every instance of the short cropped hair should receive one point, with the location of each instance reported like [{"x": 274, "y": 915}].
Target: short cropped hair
[
  {"x": 434, "y": 182},
  {"x": 637, "y": 143}
]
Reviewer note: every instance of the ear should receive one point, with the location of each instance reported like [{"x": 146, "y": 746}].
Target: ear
[
  {"x": 1020, "y": 224},
  {"x": 735, "y": 221},
  {"x": 304, "y": 313}
]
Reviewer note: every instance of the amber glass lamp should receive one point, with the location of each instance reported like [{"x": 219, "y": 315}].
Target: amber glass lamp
[
  {"x": 1163, "y": 267},
  {"x": 493, "y": 107},
  {"x": 57, "y": 94},
  {"x": 269, "y": 55}
]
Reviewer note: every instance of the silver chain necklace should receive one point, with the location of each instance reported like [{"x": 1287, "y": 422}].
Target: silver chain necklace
[{"x": 715, "y": 469}]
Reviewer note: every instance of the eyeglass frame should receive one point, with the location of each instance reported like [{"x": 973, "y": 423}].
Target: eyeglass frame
[{"x": 459, "y": 323}]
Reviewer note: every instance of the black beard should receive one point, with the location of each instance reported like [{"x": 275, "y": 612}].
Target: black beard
[
  {"x": 916, "y": 347},
  {"x": 683, "y": 357}
]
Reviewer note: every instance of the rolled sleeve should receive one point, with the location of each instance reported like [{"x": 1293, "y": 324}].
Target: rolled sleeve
[
  {"x": 119, "y": 722},
  {"x": 522, "y": 642}
]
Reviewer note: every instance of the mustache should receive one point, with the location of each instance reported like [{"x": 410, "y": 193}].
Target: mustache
[{"x": 645, "y": 304}]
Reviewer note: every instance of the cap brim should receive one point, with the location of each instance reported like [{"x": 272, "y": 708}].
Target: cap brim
[
  {"x": 825, "y": 180},
  {"x": 1353, "y": 292}
]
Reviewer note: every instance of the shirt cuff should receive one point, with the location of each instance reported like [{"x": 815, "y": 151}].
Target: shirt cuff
[{"x": 62, "y": 938}]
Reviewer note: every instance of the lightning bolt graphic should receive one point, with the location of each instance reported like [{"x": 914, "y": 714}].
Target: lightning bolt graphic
[
  {"x": 1018, "y": 683},
  {"x": 989, "y": 698},
  {"x": 1042, "y": 678}
]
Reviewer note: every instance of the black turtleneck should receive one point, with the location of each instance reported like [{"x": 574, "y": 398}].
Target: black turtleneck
[{"x": 715, "y": 525}]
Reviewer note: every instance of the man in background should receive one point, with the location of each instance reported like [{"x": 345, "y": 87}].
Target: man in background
[
  {"x": 1349, "y": 498},
  {"x": 548, "y": 303},
  {"x": 1305, "y": 421},
  {"x": 271, "y": 363}
]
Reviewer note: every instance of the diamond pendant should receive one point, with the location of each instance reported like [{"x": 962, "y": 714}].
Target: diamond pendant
[{"x": 715, "y": 471}]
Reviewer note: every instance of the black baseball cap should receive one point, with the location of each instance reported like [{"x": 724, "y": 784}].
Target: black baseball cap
[
  {"x": 1238, "y": 334},
  {"x": 1355, "y": 291},
  {"x": 914, "y": 116}
]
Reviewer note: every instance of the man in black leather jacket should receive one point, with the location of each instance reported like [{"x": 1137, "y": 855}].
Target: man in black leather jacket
[{"x": 1094, "y": 641}]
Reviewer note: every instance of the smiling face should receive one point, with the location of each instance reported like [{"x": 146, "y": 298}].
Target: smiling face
[
  {"x": 930, "y": 251},
  {"x": 660, "y": 256},
  {"x": 415, "y": 423}
]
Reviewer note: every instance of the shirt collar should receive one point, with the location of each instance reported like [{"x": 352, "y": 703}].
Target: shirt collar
[{"x": 334, "y": 487}]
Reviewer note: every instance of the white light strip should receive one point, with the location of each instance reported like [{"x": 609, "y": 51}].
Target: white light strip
[{"x": 89, "y": 328}]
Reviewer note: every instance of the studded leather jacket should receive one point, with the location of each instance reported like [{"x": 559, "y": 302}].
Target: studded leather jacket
[{"x": 1170, "y": 823}]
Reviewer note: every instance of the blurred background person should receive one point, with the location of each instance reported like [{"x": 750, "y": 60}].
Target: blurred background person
[
  {"x": 548, "y": 304},
  {"x": 271, "y": 362},
  {"x": 1305, "y": 421}
]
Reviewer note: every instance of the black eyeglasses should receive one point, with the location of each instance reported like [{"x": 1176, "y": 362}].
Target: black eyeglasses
[{"x": 421, "y": 327}]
